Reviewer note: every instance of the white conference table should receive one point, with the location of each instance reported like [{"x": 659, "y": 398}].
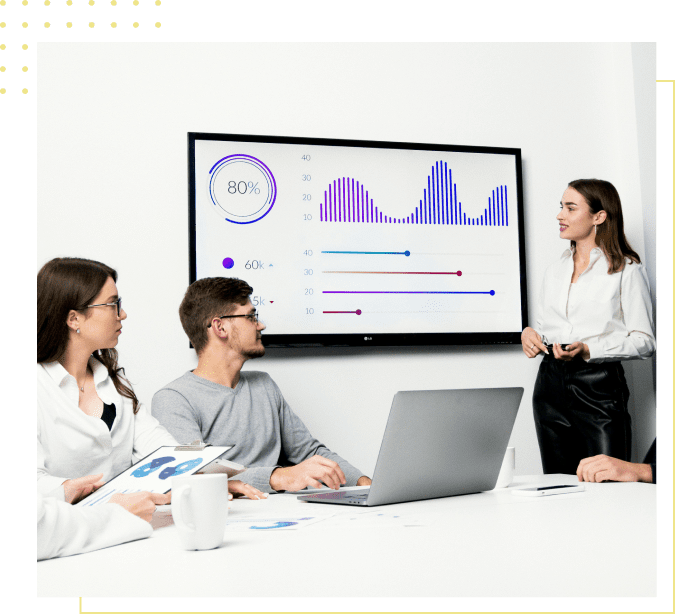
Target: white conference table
[{"x": 599, "y": 543}]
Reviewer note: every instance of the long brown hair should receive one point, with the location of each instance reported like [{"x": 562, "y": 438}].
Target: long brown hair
[
  {"x": 64, "y": 284},
  {"x": 602, "y": 196}
]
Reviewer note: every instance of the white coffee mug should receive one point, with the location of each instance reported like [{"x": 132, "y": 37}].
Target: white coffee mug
[
  {"x": 199, "y": 507},
  {"x": 508, "y": 467}
]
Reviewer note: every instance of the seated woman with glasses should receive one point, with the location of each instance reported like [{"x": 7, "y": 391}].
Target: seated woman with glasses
[
  {"x": 89, "y": 418},
  {"x": 91, "y": 426}
]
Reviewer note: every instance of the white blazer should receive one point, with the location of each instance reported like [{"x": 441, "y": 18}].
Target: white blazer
[{"x": 71, "y": 444}]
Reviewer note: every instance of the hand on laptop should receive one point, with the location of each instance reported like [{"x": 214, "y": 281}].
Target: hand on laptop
[
  {"x": 364, "y": 480},
  {"x": 311, "y": 473}
]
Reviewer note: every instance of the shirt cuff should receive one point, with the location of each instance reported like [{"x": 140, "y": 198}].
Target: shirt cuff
[
  {"x": 52, "y": 486},
  {"x": 595, "y": 350}
]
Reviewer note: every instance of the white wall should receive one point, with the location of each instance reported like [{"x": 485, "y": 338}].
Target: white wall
[
  {"x": 644, "y": 373},
  {"x": 112, "y": 167}
]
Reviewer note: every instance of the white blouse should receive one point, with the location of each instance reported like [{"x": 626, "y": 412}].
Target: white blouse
[
  {"x": 611, "y": 314},
  {"x": 71, "y": 444}
]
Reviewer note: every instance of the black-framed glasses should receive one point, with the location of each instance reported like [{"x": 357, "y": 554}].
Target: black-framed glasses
[
  {"x": 254, "y": 318},
  {"x": 117, "y": 303}
]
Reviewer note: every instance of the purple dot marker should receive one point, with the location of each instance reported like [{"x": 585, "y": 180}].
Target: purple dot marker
[
  {"x": 228, "y": 263},
  {"x": 358, "y": 312}
]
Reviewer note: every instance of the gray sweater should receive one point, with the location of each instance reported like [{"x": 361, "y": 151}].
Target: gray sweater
[{"x": 253, "y": 417}]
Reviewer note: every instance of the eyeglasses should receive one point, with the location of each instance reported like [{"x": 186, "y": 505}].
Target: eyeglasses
[
  {"x": 117, "y": 303},
  {"x": 254, "y": 318}
]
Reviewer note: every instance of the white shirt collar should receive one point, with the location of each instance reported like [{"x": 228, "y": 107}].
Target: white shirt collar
[
  {"x": 59, "y": 374},
  {"x": 596, "y": 252}
]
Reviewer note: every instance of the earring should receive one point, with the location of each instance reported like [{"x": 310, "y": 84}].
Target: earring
[
  {"x": 595, "y": 226},
  {"x": 78, "y": 331}
]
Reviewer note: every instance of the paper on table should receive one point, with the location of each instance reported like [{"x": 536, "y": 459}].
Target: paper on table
[{"x": 281, "y": 523}]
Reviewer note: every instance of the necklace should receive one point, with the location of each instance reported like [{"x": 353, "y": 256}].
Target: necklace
[
  {"x": 82, "y": 386},
  {"x": 85, "y": 377}
]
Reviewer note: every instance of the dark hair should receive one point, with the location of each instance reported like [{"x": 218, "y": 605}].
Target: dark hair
[
  {"x": 206, "y": 299},
  {"x": 65, "y": 284},
  {"x": 602, "y": 196}
]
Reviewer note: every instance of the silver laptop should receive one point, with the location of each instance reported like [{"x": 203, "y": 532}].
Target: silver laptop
[{"x": 437, "y": 443}]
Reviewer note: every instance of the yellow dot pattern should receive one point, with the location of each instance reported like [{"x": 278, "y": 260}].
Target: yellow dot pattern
[{"x": 56, "y": 17}]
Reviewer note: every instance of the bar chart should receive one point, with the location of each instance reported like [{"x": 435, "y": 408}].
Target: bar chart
[{"x": 348, "y": 200}]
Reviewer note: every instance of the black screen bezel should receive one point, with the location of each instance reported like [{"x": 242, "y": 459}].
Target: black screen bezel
[{"x": 364, "y": 339}]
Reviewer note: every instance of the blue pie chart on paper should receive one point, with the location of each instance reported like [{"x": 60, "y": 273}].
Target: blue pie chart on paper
[
  {"x": 178, "y": 469},
  {"x": 276, "y": 525},
  {"x": 152, "y": 466}
]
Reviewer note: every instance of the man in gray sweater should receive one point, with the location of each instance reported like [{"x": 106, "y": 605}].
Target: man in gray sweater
[{"x": 223, "y": 405}]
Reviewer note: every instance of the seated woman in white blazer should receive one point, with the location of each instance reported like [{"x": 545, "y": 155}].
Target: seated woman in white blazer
[{"x": 89, "y": 418}]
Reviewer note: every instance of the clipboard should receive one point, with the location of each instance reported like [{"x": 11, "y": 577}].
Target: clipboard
[{"x": 154, "y": 472}]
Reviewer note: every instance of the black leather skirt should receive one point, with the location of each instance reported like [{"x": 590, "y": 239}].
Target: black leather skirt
[{"x": 580, "y": 410}]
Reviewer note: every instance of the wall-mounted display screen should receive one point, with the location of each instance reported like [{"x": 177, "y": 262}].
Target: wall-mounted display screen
[{"x": 363, "y": 242}]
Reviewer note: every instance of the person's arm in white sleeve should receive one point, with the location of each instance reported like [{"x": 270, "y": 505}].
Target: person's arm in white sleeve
[
  {"x": 539, "y": 320},
  {"x": 638, "y": 339},
  {"x": 63, "y": 530},
  {"x": 531, "y": 338},
  {"x": 46, "y": 483}
]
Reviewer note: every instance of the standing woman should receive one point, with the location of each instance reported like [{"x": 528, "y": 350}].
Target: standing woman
[
  {"x": 595, "y": 311},
  {"x": 90, "y": 424}
]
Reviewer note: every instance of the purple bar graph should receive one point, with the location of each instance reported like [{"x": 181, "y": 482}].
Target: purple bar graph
[{"x": 347, "y": 200}]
